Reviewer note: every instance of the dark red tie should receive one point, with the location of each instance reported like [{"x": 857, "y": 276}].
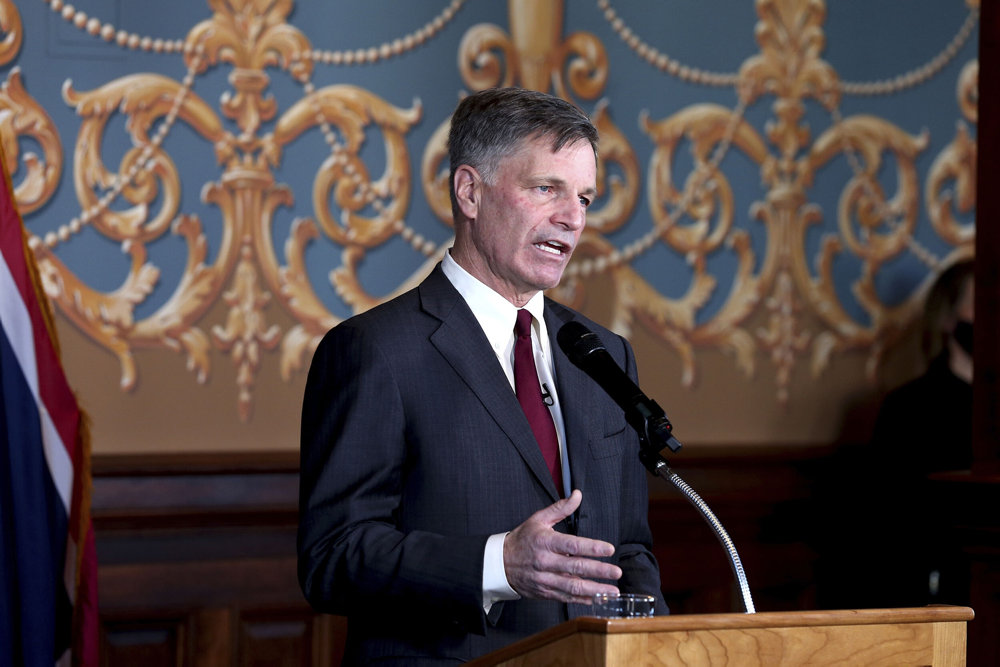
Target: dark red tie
[{"x": 529, "y": 395}]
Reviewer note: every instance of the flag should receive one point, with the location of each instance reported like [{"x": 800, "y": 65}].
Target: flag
[{"x": 48, "y": 565}]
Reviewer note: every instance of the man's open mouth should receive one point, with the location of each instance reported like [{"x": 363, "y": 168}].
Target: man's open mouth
[{"x": 553, "y": 247}]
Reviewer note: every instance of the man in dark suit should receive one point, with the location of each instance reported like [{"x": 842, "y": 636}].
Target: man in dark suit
[{"x": 430, "y": 515}]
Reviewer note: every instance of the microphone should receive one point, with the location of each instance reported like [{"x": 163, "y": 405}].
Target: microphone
[
  {"x": 586, "y": 351},
  {"x": 547, "y": 396}
]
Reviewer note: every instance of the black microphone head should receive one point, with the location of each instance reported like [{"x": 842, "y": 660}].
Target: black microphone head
[{"x": 577, "y": 341}]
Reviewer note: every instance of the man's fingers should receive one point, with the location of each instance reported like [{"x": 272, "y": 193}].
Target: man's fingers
[
  {"x": 583, "y": 592},
  {"x": 594, "y": 569},
  {"x": 552, "y": 586},
  {"x": 559, "y": 510},
  {"x": 585, "y": 568},
  {"x": 571, "y": 545},
  {"x": 543, "y": 563}
]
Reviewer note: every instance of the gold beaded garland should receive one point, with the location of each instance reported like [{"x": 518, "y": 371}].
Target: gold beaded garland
[
  {"x": 362, "y": 56},
  {"x": 888, "y": 86}
]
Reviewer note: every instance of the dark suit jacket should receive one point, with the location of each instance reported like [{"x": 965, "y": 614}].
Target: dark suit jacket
[{"x": 415, "y": 450}]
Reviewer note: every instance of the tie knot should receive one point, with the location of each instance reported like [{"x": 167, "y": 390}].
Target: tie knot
[{"x": 522, "y": 326}]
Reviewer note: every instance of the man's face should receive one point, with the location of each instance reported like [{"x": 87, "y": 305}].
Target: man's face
[{"x": 527, "y": 223}]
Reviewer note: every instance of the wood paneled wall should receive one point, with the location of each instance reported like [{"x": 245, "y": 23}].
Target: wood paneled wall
[
  {"x": 197, "y": 553},
  {"x": 197, "y": 563}
]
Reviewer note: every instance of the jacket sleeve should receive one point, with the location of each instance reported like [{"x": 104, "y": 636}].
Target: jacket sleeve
[{"x": 352, "y": 554}]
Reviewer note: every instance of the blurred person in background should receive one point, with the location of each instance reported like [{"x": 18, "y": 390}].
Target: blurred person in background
[{"x": 923, "y": 427}]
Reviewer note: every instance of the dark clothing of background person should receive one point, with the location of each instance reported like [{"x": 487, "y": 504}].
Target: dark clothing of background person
[{"x": 923, "y": 427}]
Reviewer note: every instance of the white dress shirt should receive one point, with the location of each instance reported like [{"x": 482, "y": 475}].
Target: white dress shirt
[{"x": 496, "y": 315}]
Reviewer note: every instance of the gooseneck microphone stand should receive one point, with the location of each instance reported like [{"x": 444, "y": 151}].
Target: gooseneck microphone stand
[
  {"x": 656, "y": 464},
  {"x": 584, "y": 349}
]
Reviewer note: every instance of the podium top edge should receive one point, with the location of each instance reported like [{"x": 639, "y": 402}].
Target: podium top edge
[
  {"x": 711, "y": 622},
  {"x": 773, "y": 619}
]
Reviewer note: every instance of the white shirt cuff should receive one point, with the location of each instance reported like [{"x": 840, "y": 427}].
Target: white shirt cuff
[{"x": 495, "y": 586}]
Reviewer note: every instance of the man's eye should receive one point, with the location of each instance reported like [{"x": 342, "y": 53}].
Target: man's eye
[
  {"x": 545, "y": 188},
  {"x": 585, "y": 201}
]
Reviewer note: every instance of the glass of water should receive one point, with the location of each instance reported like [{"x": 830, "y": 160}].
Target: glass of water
[{"x": 623, "y": 605}]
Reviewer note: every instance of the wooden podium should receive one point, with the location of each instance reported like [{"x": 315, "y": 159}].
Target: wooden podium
[{"x": 898, "y": 637}]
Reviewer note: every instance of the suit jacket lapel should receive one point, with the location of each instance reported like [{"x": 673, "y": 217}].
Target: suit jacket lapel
[{"x": 461, "y": 341}]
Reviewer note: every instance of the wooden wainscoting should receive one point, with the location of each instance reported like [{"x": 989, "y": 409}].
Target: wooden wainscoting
[
  {"x": 197, "y": 553},
  {"x": 197, "y": 563}
]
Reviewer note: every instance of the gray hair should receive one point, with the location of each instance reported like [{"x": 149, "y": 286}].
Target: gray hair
[{"x": 489, "y": 125}]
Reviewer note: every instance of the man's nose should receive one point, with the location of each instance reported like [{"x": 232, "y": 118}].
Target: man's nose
[{"x": 571, "y": 214}]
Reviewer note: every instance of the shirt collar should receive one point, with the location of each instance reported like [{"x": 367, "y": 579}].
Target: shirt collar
[{"x": 496, "y": 315}]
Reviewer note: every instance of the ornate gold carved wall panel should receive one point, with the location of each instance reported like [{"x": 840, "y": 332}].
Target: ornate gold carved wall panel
[{"x": 779, "y": 309}]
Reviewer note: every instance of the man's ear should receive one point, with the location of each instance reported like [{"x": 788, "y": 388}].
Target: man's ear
[{"x": 468, "y": 190}]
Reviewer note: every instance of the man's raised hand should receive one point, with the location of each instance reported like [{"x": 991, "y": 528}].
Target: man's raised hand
[{"x": 543, "y": 563}]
